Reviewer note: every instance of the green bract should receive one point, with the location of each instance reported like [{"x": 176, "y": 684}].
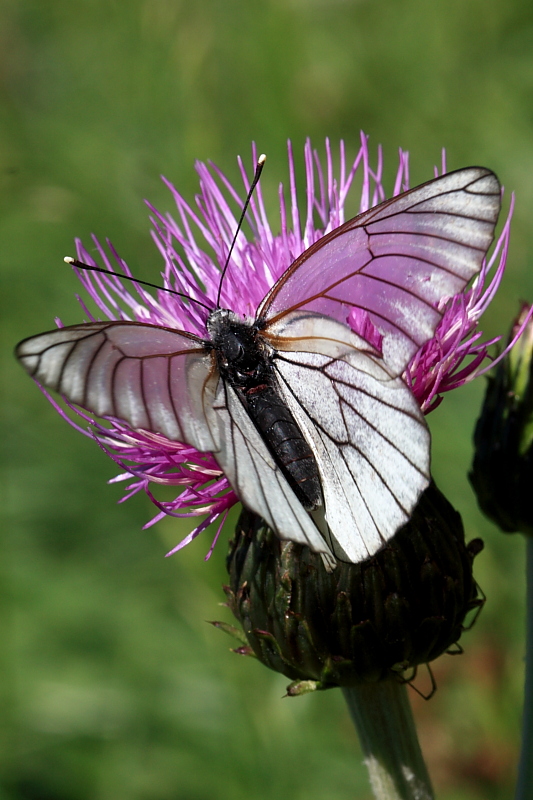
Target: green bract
[
  {"x": 502, "y": 472},
  {"x": 362, "y": 622}
]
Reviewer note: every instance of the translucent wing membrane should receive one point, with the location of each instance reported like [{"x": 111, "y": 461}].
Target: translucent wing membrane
[
  {"x": 154, "y": 378},
  {"x": 397, "y": 261},
  {"x": 314, "y": 333},
  {"x": 370, "y": 442}
]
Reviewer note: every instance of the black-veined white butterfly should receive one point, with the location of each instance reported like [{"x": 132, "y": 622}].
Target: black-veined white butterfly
[{"x": 312, "y": 425}]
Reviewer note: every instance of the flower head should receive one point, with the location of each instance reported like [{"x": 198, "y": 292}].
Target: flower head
[
  {"x": 502, "y": 470},
  {"x": 372, "y": 621},
  {"x": 194, "y": 245}
]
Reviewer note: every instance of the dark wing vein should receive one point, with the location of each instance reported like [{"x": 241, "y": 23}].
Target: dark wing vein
[
  {"x": 67, "y": 358},
  {"x": 142, "y": 389},
  {"x": 363, "y": 500},
  {"x": 91, "y": 364},
  {"x": 169, "y": 390},
  {"x": 327, "y": 441},
  {"x": 112, "y": 392},
  {"x": 427, "y": 235},
  {"x": 431, "y": 213},
  {"x": 406, "y": 256}
]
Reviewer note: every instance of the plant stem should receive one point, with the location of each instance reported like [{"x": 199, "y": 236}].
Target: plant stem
[
  {"x": 524, "y": 787},
  {"x": 382, "y": 716}
]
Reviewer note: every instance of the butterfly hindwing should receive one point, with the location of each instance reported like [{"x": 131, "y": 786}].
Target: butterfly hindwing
[{"x": 369, "y": 439}]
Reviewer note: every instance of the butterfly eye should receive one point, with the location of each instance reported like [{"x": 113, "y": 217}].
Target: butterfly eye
[{"x": 233, "y": 348}]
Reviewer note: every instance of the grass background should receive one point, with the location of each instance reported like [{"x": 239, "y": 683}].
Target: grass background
[{"x": 113, "y": 685}]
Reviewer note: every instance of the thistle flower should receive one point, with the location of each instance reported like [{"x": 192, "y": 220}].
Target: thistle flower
[
  {"x": 366, "y": 622},
  {"x": 194, "y": 244}
]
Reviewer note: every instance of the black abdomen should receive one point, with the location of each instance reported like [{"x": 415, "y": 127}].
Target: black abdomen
[{"x": 280, "y": 431}]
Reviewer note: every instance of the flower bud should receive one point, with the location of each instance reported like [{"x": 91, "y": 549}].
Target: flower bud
[
  {"x": 502, "y": 471},
  {"x": 361, "y": 622}
]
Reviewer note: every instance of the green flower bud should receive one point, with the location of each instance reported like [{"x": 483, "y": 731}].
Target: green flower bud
[
  {"x": 361, "y": 622},
  {"x": 502, "y": 471}
]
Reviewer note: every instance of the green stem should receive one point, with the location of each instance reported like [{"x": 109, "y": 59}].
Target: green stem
[
  {"x": 382, "y": 716},
  {"x": 524, "y": 788}
]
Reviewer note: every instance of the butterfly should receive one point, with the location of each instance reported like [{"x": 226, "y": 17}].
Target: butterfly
[{"x": 311, "y": 423}]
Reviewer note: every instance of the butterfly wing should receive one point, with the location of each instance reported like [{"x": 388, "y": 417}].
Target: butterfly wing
[
  {"x": 369, "y": 439},
  {"x": 255, "y": 476},
  {"x": 163, "y": 381},
  {"x": 396, "y": 261},
  {"x": 153, "y": 377}
]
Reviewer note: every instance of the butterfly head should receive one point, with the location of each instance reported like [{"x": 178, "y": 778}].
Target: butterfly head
[{"x": 239, "y": 348}]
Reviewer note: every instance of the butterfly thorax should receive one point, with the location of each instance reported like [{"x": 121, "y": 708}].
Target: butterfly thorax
[{"x": 245, "y": 361}]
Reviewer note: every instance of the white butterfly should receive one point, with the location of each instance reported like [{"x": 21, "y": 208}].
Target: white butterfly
[{"x": 312, "y": 425}]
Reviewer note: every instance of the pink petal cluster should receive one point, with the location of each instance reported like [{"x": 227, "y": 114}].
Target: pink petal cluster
[{"x": 194, "y": 244}]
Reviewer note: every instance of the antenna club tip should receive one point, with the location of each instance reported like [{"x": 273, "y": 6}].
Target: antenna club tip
[
  {"x": 69, "y": 260},
  {"x": 261, "y": 160}
]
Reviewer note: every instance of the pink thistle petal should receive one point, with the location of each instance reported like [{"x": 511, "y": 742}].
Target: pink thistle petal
[{"x": 360, "y": 322}]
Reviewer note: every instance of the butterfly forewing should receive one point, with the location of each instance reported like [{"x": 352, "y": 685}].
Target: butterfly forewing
[
  {"x": 154, "y": 378},
  {"x": 397, "y": 261}
]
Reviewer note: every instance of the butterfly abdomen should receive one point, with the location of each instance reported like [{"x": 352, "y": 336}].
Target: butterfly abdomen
[
  {"x": 245, "y": 362},
  {"x": 291, "y": 451}
]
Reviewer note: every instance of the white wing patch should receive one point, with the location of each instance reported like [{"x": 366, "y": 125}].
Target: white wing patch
[
  {"x": 370, "y": 442},
  {"x": 255, "y": 476}
]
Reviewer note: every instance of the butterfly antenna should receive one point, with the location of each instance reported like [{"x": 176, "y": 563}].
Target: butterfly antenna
[
  {"x": 258, "y": 170},
  {"x": 89, "y": 268}
]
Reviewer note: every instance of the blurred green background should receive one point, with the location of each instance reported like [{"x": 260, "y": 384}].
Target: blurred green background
[{"x": 113, "y": 685}]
